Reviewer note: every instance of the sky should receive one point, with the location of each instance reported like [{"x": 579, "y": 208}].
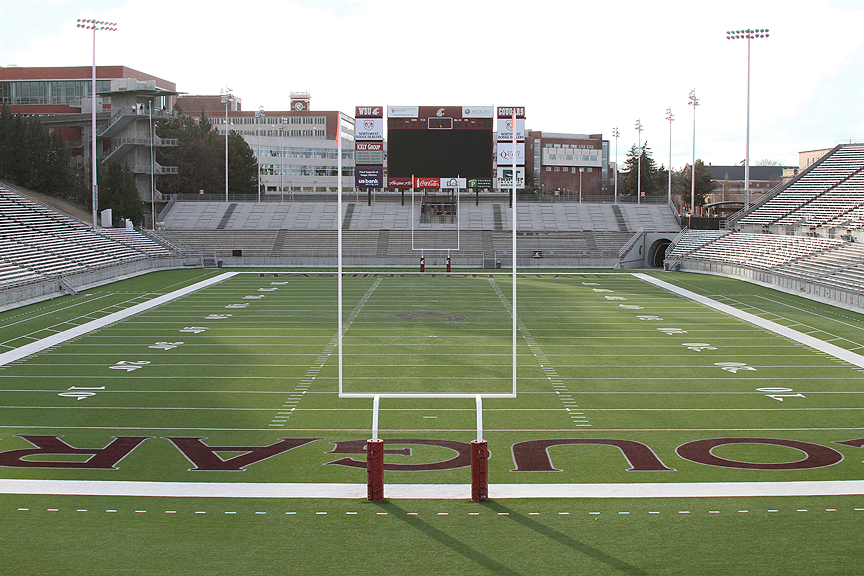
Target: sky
[{"x": 577, "y": 67}]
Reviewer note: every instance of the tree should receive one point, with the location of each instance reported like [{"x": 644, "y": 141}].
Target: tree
[
  {"x": 704, "y": 184},
  {"x": 32, "y": 157},
  {"x": 118, "y": 192},
  {"x": 200, "y": 158},
  {"x": 651, "y": 176},
  {"x": 242, "y": 166}
]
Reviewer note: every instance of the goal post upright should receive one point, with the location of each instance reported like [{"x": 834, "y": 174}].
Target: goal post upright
[{"x": 375, "y": 445}]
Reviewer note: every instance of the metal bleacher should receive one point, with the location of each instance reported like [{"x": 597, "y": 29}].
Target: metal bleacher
[
  {"x": 387, "y": 228},
  {"x": 40, "y": 243},
  {"x": 808, "y": 231}
]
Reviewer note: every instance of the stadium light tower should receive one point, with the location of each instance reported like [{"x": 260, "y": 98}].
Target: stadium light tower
[
  {"x": 670, "y": 118},
  {"x": 94, "y": 25},
  {"x": 693, "y": 102},
  {"x": 747, "y": 35},
  {"x": 616, "y": 134},
  {"x": 227, "y": 100},
  {"x": 639, "y": 164}
]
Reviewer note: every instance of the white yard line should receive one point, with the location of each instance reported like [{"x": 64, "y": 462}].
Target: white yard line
[
  {"x": 815, "y": 343},
  {"x": 429, "y": 491},
  {"x": 60, "y": 337}
]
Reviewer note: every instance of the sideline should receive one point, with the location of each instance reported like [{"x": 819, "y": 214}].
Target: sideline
[
  {"x": 60, "y": 337},
  {"x": 428, "y": 491},
  {"x": 800, "y": 337}
]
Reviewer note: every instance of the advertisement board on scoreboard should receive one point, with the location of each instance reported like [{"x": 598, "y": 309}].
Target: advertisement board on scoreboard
[
  {"x": 504, "y": 178},
  {"x": 505, "y": 153},
  {"x": 369, "y": 129},
  {"x": 369, "y": 177},
  {"x": 505, "y": 130}
]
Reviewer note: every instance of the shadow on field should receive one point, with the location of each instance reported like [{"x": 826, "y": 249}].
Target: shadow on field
[
  {"x": 493, "y": 565},
  {"x": 453, "y": 543},
  {"x": 565, "y": 540}
]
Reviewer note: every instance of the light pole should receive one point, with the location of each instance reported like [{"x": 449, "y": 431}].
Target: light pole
[
  {"x": 94, "y": 25},
  {"x": 748, "y": 35},
  {"x": 693, "y": 101},
  {"x": 670, "y": 118},
  {"x": 259, "y": 114},
  {"x": 639, "y": 169},
  {"x": 581, "y": 170},
  {"x": 616, "y": 134},
  {"x": 227, "y": 100},
  {"x": 283, "y": 124}
]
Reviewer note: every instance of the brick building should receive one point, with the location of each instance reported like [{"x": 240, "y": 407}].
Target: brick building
[{"x": 569, "y": 164}]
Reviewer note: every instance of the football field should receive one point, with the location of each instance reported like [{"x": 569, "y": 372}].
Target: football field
[{"x": 189, "y": 422}]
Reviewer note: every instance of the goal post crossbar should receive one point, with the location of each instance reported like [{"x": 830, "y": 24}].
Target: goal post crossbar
[{"x": 376, "y": 397}]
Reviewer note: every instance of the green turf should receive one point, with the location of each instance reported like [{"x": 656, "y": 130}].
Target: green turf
[{"x": 602, "y": 356}]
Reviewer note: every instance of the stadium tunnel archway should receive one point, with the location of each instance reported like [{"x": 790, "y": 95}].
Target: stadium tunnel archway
[{"x": 656, "y": 252}]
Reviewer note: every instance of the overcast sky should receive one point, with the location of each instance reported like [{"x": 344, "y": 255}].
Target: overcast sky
[{"x": 578, "y": 67}]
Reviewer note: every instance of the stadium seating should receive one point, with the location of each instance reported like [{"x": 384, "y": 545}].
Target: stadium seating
[{"x": 40, "y": 243}]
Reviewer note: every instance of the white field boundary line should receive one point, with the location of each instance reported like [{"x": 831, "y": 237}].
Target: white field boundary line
[
  {"x": 60, "y": 337},
  {"x": 429, "y": 491},
  {"x": 800, "y": 337}
]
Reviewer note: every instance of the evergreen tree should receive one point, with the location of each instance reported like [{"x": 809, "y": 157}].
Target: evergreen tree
[
  {"x": 118, "y": 192},
  {"x": 200, "y": 158},
  {"x": 242, "y": 166},
  {"x": 33, "y": 158},
  {"x": 650, "y": 181},
  {"x": 704, "y": 184}
]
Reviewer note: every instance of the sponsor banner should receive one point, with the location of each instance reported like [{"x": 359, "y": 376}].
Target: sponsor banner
[
  {"x": 369, "y": 177},
  {"x": 505, "y": 130},
  {"x": 508, "y": 111},
  {"x": 427, "y": 182},
  {"x": 369, "y": 129},
  {"x": 480, "y": 183},
  {"x": 478, "y": 111},
  {"x": 369, "y": 153},
  {"x": 369, "y": 112},
  {"x": 403, "y": 111},
  {"x": 369, "y": 157},
  {"x": 453, "y": 183},
  {"x": 504, "y": 178},
  {"x": 369, "y": 146},
  {"x": 505, "y": 153},
  {"x": 399, "y": 182}
]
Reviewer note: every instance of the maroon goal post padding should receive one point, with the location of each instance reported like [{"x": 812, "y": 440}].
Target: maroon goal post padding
[
  {"x": 375, "y": 470},
  {"x": 479, "y": 471}
]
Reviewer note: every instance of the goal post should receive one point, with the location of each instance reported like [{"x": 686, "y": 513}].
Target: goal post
[{"x": 375, "y": 445}]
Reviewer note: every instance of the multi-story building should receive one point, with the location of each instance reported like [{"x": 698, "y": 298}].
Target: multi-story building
[
  {"x": 127, "y": 104},
  {"x": 296, "y": 149},
  {"x": 729, "y": 183},
  {"x": 568, "y": 164}
]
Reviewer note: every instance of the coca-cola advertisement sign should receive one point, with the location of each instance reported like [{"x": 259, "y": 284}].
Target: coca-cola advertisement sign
[{"x": 427, "y": 182}]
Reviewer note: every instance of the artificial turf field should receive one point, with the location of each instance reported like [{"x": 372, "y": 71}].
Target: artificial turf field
[{"x": 620, "y": 383}]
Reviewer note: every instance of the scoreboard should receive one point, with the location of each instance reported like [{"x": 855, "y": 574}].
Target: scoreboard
[{"x": 441, "y": 142}]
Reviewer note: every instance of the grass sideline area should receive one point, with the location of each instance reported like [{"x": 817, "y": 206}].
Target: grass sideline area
[{"x": 619, "y": 382}]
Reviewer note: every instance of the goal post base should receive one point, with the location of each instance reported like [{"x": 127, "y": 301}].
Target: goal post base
[
  {"x": 479, "y": 471},
  {"x": 375, "y": 470}
]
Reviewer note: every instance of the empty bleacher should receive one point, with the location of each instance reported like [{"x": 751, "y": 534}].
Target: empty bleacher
[
  {"x": 40, "y": 243},
  {"x": 824, "y": 192}
]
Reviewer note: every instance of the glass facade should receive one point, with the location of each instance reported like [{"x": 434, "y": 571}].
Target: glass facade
[{"x": 49, "y": 92}]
